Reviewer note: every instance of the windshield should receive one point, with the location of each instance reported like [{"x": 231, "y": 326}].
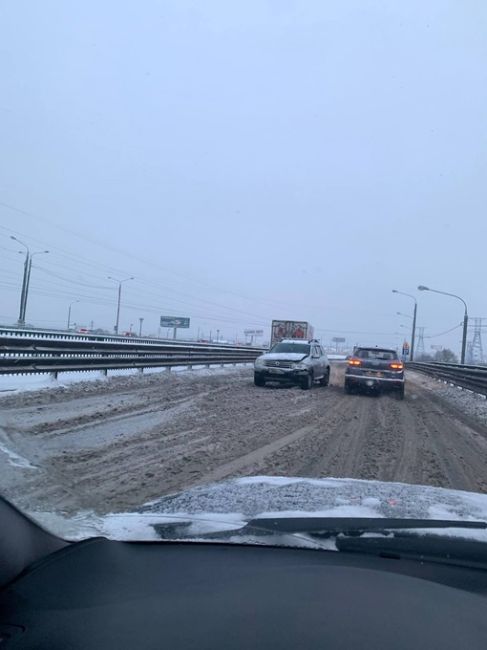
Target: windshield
[
  {"x": 295, "y": 348},
  {"x": 170, "y": 349}
]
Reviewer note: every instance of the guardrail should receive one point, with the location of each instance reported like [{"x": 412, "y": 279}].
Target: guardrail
[
  {"x": 473, "y": 378},
  {"x": 31, "y": 351}
]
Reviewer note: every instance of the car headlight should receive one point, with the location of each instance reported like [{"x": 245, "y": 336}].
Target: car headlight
[
  {"x": 300, "y": 366},
  {"x": 259, "y": 362}
]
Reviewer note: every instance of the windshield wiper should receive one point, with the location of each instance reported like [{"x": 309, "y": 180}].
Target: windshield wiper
[
  {"x": 355, "y": 526},
  {"x": 426, "y": 548}
]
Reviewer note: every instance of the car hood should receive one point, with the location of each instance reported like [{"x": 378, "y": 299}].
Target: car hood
[
  {"x": 284, "y": 356},
  {"x": 227, "y": 505}
]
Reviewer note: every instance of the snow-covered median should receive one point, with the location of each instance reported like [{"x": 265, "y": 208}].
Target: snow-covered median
[{"x": 465, "y": 400}]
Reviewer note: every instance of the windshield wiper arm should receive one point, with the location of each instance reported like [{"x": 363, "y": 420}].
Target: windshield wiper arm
[
  {"x": 437, "y": 549},
  {"x": 330, "y": 526}
]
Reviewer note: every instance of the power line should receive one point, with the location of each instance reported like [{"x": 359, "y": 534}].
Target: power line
[
  {"x": 434, "y": 336},
  {"x": 127, "y": 254},
  {"x": 64, "y": 279},
  {"x": 244, "y": 313}
]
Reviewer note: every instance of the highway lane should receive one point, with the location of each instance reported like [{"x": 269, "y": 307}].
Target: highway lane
[{"x": 120, "y": 443}]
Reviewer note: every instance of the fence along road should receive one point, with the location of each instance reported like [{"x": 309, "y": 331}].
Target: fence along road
[
  {"x": 24, "y": 351},
  {"x": 473, "y": 378}
]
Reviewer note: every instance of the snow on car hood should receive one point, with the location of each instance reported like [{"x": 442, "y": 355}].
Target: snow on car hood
[
  {"x": 227, "y": 505},
  {"x": 284, "y": 356}
]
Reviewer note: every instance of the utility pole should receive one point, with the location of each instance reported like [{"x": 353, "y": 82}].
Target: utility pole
[
  {"x": 115, "y": 329},
  {"x": 217, "y": 335},
  {"x": 141, "y": 320}
]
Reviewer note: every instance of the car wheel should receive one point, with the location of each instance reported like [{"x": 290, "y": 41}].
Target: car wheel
[
  {"x": 325, "y": 380},
  {"x": 258, "y": 381},
  {"x": 307, "y": 381},
  {"x": 400, "y": 392},
  {"x": 348, "y": 388}
]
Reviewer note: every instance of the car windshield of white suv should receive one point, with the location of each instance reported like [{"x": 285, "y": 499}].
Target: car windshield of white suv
[{"x": 295, "y": 348}]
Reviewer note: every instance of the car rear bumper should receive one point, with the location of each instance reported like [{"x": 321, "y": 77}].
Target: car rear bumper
[{"x": 373, "y": 381}]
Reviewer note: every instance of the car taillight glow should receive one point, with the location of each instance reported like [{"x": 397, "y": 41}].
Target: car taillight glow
[
  {"x": 354, "y": 362},
  {"x": 396, "y": 366}
]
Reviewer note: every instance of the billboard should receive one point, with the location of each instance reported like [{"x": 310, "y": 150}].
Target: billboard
[
  {"x": 174, "y": 321},
  {"x": 254, "y": 332},
  {"x": 291, "y": 329}
]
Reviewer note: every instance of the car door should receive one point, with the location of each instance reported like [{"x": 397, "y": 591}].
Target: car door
[
  {"x": 326, "y": 363},
  {"x": 317, "y": 357}
]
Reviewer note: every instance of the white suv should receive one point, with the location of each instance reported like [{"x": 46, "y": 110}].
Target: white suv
[{"x": 293, "y": 361}]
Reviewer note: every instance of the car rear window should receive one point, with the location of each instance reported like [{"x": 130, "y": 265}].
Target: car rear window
[{"x": 382, "y": 355}]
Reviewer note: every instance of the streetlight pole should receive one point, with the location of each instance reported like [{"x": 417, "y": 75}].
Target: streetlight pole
[
  {"x": 69, "y": 312},
  {"x": 21, "y": 319},
  {"x": 465, "y": 316},
  {"x": 415, "y": 312},
  {"x": 26, "y": 280},
  {"x": 115, "y": 329},
  {"x": 28, "y": 277},
  {"x": 141, "y": 320}
]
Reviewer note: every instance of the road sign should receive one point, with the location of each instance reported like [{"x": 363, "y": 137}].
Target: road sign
[
  {"x": 253, "y": 332},
  {"x": 338, "y": 339},
  {"x": 174, "y": 321}
]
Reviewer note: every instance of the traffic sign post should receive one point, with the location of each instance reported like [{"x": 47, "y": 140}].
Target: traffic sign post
[{"x": 405, "y": 350}]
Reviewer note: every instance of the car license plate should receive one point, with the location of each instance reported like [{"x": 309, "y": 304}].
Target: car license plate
[
  {"x": 276, "y": 371},
  {"x": 371, "y": 373}
]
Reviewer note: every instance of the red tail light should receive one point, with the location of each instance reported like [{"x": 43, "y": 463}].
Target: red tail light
[
  {"x": 396, "y": 365},
  {"x": 354, "y": 362}
]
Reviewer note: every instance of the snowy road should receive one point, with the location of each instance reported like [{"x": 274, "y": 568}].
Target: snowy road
[{"x": 114, "y": 445}]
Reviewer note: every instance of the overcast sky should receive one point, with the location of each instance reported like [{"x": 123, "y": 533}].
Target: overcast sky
[{"x": 245, "y": 161}]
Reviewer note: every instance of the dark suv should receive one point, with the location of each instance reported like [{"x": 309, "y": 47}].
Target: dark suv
[
  {"x": 374, "y": 369},
  {"x": 293, "y": 361}
]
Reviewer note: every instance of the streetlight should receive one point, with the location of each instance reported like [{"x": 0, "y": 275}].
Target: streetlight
[
  {"x": 405, "y": 315},
  {"x": 115, "y": 329},
  {"x": 465, "y": 315},
  {"x": 413, "y": 333},
  {"x": 69, "y": 311},
  {"x": 26, "y": 279}
]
